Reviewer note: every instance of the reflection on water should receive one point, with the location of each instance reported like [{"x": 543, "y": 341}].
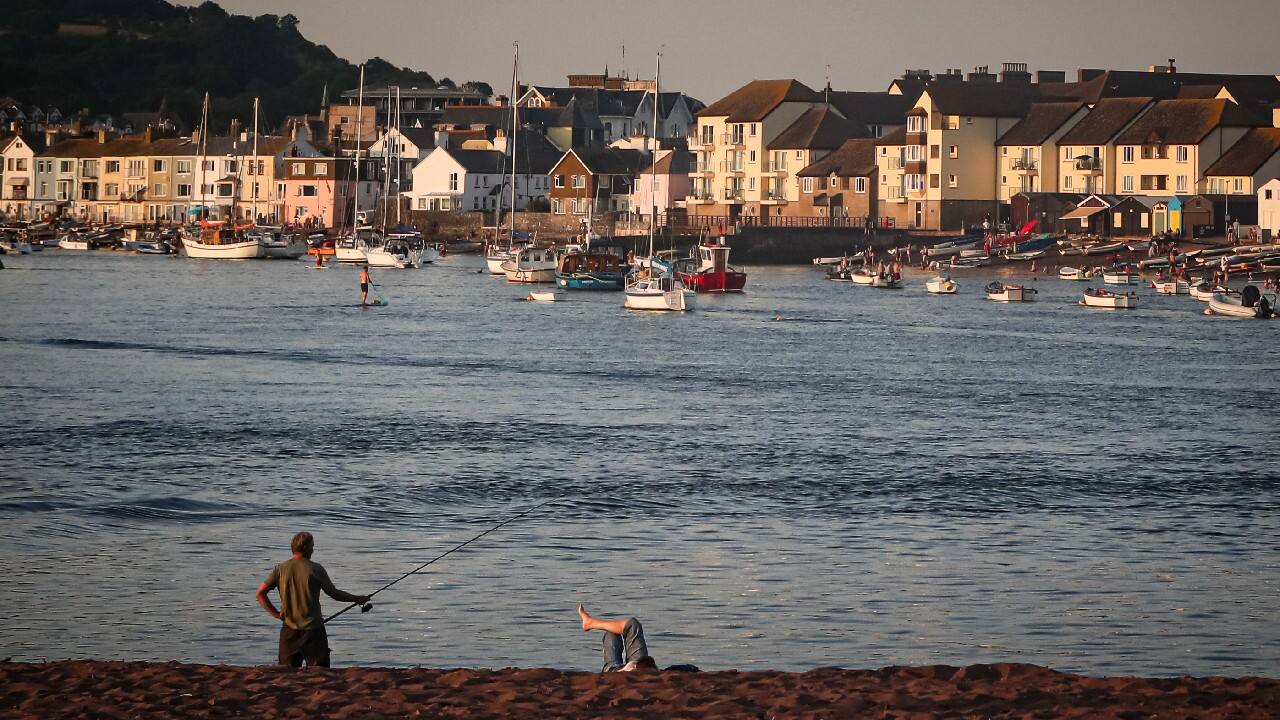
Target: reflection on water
[{"x": 888, "y": 478}]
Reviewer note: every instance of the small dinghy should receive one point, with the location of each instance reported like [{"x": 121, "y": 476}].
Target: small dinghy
[
  {"x": 1070, "y": 273},
  {"x": 1001, "y": 292},
  {"x": 1120, "y": 275},
  {"x": 1204, "y": 290},
  {"x": 1103, "y": 298},
  {"x": 886, "y": 282},
  {"x": 545, "y": 296},
  {"x": 862, "y": 277},
  {"x": 1172, "y": 287},
  {"x": 941, "y": 285},
  {"x": 1103, "y": 248},
  {"x": 1248, "y": 303}
]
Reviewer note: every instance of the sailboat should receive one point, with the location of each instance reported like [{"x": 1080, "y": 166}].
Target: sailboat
[
  {"x": 224, "y": 240},
  {"x": 351, "y": 248},
  {"x": 655, "y": 285},
  {"x": 529, "y": 264}
]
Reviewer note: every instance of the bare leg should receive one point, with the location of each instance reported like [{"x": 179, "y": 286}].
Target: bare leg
[{"x": 592, "y": 623}]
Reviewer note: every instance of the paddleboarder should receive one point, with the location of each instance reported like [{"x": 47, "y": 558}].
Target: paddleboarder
[
  {"x": 364, "y": 285},
  {"x": 299, "y": 582}
]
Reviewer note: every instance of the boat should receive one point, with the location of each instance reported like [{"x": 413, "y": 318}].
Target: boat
[
  {"x": 1172, "y": 287},
  {"x": 707, "y": 269},
  {"x": 1248, "y": 303},
  {"x": 149, "y": 247},
  {"x": 821, "y": 261},
  {"x": 885, "y": 281},
  {"x": 1120, "y": 275},
  {"x": 352, "y": 248},
  {"x": 1204, "y": 290},
  {"x": 414, "y": 241},
  {"x": 1139, "y": 246},
  {"x": 954, "y": 247},
  {"x": 276, "y": 243},
  {"x": 1032, "y": 255},
  {"x": 212, "y": 240},
  {"x": 596, "y": 266},
  {"x": 972, "y": 262},
  {"x": 941, "y": 285},
  {"x": 1152, "y": 263},
  {"x": 1000, "y": 292},
  {"x": 73, "y": 242},
  {"x": 320, "y": 245},
  {"x": 1070, "y": 273},
  {"x": 1073, "y": 250},
  {"x": 1103, "y": 248},
  {"x": 655, "y": 285},
  {"x": 862, "y": 276},
  {"x": 1103, "y": 298},
  {"x": 545, "y": 296},
  {"x": 531, "y": 265},
  {"x": 393, "y": 254}
]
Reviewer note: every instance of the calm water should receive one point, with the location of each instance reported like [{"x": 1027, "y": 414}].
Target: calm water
[{"x": 914, "y": 479}]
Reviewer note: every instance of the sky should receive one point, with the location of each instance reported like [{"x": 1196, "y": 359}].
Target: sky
[{"x": 711, "y": 48}]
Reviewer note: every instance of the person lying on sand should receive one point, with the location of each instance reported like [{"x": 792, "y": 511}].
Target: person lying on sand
[
  {"x": 624, "y": 646},
  {"x": 302, "y": 636}
]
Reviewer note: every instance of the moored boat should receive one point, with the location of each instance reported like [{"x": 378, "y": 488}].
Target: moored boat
[
  {"x": 941, "y": 285},
  {"x": 1204, "y": 290},
  {"x": 221, "y": 241},
  {"x": 531, "y": 265},
  {"x": 1070, "y": 273},
  {"x": 1120, "y": 275},
  {"x": 544, "y": 296},
  {"x": 1103, "y": 298},
  {"x": 650, "y": 289},
  {"x": 1172, "y": 287},
  {"x": 598, "y": 266},
  {"x": 1248, "y": 303},
  {"x": 862, "y": 276},
  {"x": 1001, "y": 292},
  {"x": 708, "y": 269}
]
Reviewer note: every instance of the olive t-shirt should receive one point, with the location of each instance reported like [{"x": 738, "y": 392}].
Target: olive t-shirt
[{"x": 300, "y": 582}]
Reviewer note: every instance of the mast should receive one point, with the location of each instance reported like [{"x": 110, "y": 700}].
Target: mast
[
  {"x": 204, "y": 143},
  {"x": 355, "y": 195},
  {"x": 386, "y": 162},
  {"x": 653, "y": 154},
  {"x": 256, "y": 175},
  {"x": 511, "y": 142},
  {"x": 399, "y": 161}
]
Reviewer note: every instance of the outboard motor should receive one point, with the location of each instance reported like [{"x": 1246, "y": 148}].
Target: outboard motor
[{"x": 1250, "y": 296}]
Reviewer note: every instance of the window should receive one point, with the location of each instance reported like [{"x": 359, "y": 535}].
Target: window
[
  {"x": 344, "y": 120},
  {"x": 912, "y": 153},
  {"x": 1127, "y": 154},
  {"x": 934, "y": 152},
  {"x": 299, "y": 168},
  {"x": 1182, "y": 183},
  {"x": 953, "y": 181},
  {"x": 1128, "y": 183},
  {"x": 968, "y": 121},
  {"x": 157, "y": 166},
  {"x": 935, "y": 180},
  {"x": 860, "y": 185},
  {"x": 1267, "y": 194},
  {"x": 884, "y": 152},
  {"x": 800, "y": 155},
  {"x": 1117, "y": 219},
  {"x": 182, "y": 166},
  {"x": 453, "y": 182},
  {"x": 559, "y": 181},
  {"x": 422, "y": 203},
  {"x": 475, "y": 203},
  {"x": 112, "y": 189},
  {"x": 66, "y": 166},
  {"x": 43, "y": 191},
  {"x": 209, "y": 165},
  {"x": 1067, "y": 154},
  {"x": 113, "y": 166},
  {"x": 751, "y": 182},
  {"x": 915, "y": 123},
  {"x": 224, "y": 189},
  {"x": 1066, "y": 182},
  {"x": 1238, "y": 185},
  {"x": 184, "y": 190},
  {"x": 753, "y": 129},
  {"x": 308, "y": 190},
  {"x": 953, "y": 122},
  {"x": 1154, "y": 182},
  {"x": 578, "y": 181},
  {"x": 752, "y": 154},
  {"x": 954, "y": 152},
  {"x": 322, "y": 169},
  {"x": 914, "y": 181},
  {"x": 808, "y": 184},
  {"x": 158, "y": 190},
  {"x": 1181, "y": 153},
  {"x": 475, "y": 182}
]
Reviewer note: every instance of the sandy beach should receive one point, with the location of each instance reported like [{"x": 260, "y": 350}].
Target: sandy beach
[{"x": 90, "y": 689}]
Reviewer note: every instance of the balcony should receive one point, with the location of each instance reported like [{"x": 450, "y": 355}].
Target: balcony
[
  {"x": 733, "y": 194},
  {"x": 774, "y": 197},
  {"x": 777, "y": 168},
  {"x": 915, "y": 167},
  {"x": 732, "y": 168},
  {"x": 1024, "y": 164},
  {"x": 731, "y": 139},
  {"x": 704, "y": 169},
  {"x": 1089, "y": 164},
  {"x": 700, "y": 196},
  {"x": 895, "y": 193}
]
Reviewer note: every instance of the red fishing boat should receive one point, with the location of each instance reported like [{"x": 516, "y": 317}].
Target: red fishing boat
[{"x": 707, "y": 269}]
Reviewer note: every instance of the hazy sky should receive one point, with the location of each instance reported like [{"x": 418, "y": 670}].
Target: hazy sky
[{"x": 714, "y": 47}]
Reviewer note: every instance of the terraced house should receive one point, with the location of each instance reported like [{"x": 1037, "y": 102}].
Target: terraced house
[
  {"x": 1088, "y": 149},
  {"x": 1029, "y": 157}
]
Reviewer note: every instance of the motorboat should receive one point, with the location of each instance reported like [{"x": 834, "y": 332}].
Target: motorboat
[
  {"x": 954, "y": 247},
  {"x": 972, "y": 262},
  {"x": 1001, "y": 292},
  {"x": 1103, "y": 248},
  {"x": 393, "y": 254},
  {"x": 941, "y": 285},
  {"x": 1204, "y": 290},
  {"x": 1248, "y": 303},
  {"x": 1103, "y": 298},
  {"x": 1172, "y": 287},
  {"x": 74, "y": 242},
  {"x": 707, "y": 269},
  {"x": 885, "y": 281},
  {"x": 531, "y": 265},
  {"x": 1070, "y": 273},
  {"x": 649, "y": 289},
  {"x": 221, "y": 241},
  {"x": 596, "y": 266},
  {"x": 351, "y": 248},
  {"x": 276, "y": 243},
  {"x": 545, "y": 296},
  {"x": 1032, "y": 255},
  {"x": 1120, "y": 275},
  {"x": 320, "y": 245},
  {"x": 149, "y": 247},
  {"x": 1139, "y": 246},
  {"x": 424, "y": 253},
  {"x": 862, "y": 276}
]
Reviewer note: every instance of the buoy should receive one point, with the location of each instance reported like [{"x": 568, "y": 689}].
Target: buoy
[{"x": 1208, "y": 311}]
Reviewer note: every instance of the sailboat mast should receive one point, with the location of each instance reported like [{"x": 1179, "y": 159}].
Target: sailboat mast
[
  {"x": 204, "y": 143},
  {"x": 355, "y": 194},
  {"x": 515, "y": 70},
  {"x": 386, "y": 163},
  {"x": 256, "y": 175},
  {"x": 399, "y": 162},
  {"x": 653, "y": 154}
]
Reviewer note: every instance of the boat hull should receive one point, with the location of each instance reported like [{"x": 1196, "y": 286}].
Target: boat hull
[
  {"x": 1173, "y": 288},
  {"x": 349, "y": 255},
  {"x": 530, "y": 275},
  {"x": 1119, "y": 278},
  {"x": 941, "y": 286},
  {"x": 1230, "y": 306},
  {"x": 677, "y": 300},
  {"x": 245, "y": 250},
  {"x": 1110, "y": 301},
  {"x": 715, "y": 282},
  {"x": 594, "y": 281},
  {"x": 493, "y": 263}
]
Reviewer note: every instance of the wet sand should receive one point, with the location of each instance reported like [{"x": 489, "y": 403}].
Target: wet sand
[{"x": 89, "y": 689}]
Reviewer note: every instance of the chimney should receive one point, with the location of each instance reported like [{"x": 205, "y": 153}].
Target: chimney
[
  {"x": 1015, "y": 74},
  {"x": 1051, "y": 76},
  {"x": 1173, "y": 66},
  {"x": 952, "y": 75},
  {"x": 981, "y": 76},
  {"x": 148, "y": 135},
  {"x": 102, "y": 136},
  {"x": 235, "y": 127},
  {"x": 50, "y": 137},
  {"x": 195, "y": 136}
]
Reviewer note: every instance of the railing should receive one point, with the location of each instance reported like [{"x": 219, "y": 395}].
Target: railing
[
  {"x": 706, "y": 141},
  {"x": 702, "y": 197},
  {"x": 1093, "y": 164},
  {"x": 775, "y": 196},
  {"x": 730, "y": 139},
  {"x": 1024, "y": 164},
  {"x": 733, "y": 194},
  {"x": 895, "y": 192},
  {"x": 776, "y": 168},
  {"x": 704, "y": 169},
  {"x": 729, "y": 167}
]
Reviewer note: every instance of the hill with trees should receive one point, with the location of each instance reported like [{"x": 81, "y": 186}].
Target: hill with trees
[{"x": 131, "y": 55}]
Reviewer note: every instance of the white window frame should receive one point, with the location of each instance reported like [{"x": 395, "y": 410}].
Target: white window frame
[
  {"x": 1126, "y": 154},
  {"x": 808, "y": 184},
  {"x": 1128, "y": 183},
  {"x": 1181, "y": 153},
  {"x": 860, "y": 185}
]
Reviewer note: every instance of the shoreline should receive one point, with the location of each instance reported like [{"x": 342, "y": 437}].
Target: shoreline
[{"x": 89, "y": 688}]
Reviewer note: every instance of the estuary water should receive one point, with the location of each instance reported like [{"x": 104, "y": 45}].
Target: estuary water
[{"x": 877, "y": 478}]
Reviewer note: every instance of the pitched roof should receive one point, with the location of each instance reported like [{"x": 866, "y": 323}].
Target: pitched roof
[
  {"x": 1249, "y": 154},
  {"x": 1042, "y": 121},
  {"x": 477, "y": 161},
  {"x": 755, "y": 100},
  {"x": 1252, "y": 91},
  {"x": 873, "y": 108},
  {"x": 818, "y": 128},
  {"x": 609, "y": 160},
  {"x": 1105, "y": 120},
  {"x": 424, "y": 138},
  {"x": 897, "y": 137},
  {"x": 535, "y": 154},
  {"x": 1185, "y": 122},
  {"x": 855, "y": 158},
  {"x": 981, "y": 100},
  {"x": 675, "y": 162}
]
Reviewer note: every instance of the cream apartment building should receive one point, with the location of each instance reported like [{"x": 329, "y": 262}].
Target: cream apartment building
[
  {"x": 1029, "y": 158},
  {"x": 1088, "y": 150},
  {"x": 1168, "y": 150},
  {"x": 1247, "y": 166}
]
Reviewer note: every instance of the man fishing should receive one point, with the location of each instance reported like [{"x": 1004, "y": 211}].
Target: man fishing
[
  {"x": 299, "y": 581},
  {"x": 364, "y": 285}
]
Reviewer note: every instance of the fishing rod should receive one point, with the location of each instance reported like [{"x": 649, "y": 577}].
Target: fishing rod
[{"x": 369, "y": 606}]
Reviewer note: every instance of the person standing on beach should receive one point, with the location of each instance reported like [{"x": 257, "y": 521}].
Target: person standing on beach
[
  {"x": 364, "y": 285},
  {"x": 299, "y": 581},
  {"x": 624, "y": 646}
]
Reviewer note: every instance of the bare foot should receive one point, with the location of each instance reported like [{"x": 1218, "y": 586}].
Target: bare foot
[{"x": 586, "y": 619}]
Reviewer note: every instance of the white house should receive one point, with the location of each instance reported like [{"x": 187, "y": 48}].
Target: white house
[
  {"x": 1269, "y": 210},
  {"x": 19, "y": 157},
  {"x": 473, "y": 180},
  {"x": 409, "y": 146}
]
